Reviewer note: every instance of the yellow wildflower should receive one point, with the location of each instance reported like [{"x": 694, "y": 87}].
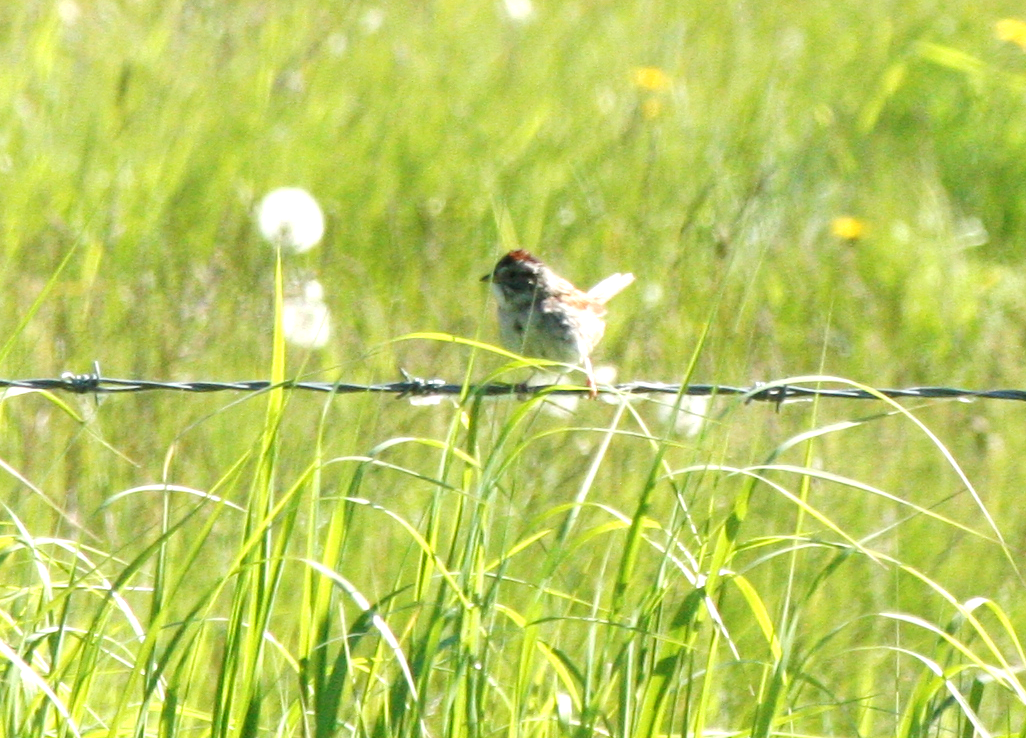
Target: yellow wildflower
[
  {"x": 1013, "y": 30},
  {"x": 652, "y": 78},
  {"x": 847, "y": 227}
]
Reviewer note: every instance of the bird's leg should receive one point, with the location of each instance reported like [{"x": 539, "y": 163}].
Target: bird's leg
[{"x": 592, "y": 386}]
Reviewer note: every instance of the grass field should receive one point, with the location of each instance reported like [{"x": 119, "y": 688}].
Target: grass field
[{"x": 815, "y": 190}]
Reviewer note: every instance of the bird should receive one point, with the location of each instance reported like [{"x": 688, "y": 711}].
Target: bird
[{"x": 542, "y": 315}]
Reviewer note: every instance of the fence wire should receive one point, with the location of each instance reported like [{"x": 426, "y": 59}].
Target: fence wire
[{"x": 410, "y": 386}]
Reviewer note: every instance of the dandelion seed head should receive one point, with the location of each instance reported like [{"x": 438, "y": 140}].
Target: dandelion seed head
[
  {"x": 305, "y": 319},
  {"x": 372, "y": 20},
  {"x": 653, "y": 294},
  {"x": 901, "y": 232},
  {"x": 519, "y": 10},
  {"x": 337, "y": 44},
  {"x": 291, "y": 218},
  {"x": 606, "y": 101},
  {"x": 69, "y": 12}
]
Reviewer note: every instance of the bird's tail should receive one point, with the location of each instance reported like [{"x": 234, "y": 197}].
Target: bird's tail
[{"x": 610, "y": 287}]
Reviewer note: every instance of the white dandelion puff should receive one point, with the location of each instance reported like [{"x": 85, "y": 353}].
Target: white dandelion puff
[
  {"x": 652, "y": 295},
  {"x": 305, "y": 319},
  {"x": 372, "y": 20},
  {"x": 520, "y": 11},
  {"x": 69, "y": 12},
  {"x": 291, "y": 218},
  {"x": 337, "y": 44}
]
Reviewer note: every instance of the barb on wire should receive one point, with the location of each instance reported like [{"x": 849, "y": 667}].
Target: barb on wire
[{"x": 411, "y": 386}]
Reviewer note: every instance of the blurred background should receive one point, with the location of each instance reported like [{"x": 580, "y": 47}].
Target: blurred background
[
  {"x": 711, "y": 149},
  {"x": 829, "y": 188}
]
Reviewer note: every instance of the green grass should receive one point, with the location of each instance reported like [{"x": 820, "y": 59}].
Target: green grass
[{"x": 291, "y": 564}]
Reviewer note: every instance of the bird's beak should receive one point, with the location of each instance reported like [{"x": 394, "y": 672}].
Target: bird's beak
[{"x": 487, "y": 277}]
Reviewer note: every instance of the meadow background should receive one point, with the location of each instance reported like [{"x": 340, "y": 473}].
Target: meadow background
[{"x": 813, "y": 188}]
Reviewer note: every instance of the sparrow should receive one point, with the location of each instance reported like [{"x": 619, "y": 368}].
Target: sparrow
[{"x": 543, "y": 315}]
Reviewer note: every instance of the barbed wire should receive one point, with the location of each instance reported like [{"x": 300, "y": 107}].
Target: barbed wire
[{"x": 410, "y": 386}]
